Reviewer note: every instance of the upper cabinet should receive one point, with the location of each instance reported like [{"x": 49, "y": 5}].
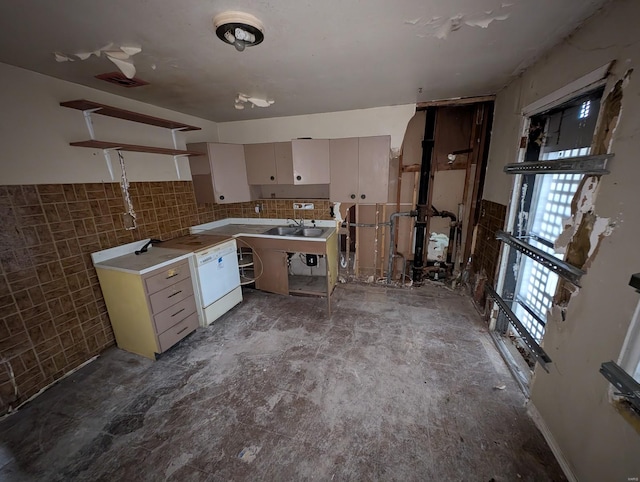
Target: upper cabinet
[
  {"x": 310, "y": 161},
  {"x": 269, "y": 163},
  {"x": 360, "y": 169},
  {"x": 220, "y": 176},
  {"x": 261, "y": 163}
]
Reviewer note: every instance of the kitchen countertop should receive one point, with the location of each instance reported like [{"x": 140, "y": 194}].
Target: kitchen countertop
[
  {"x": 156, "y": 257},
  {"x": 256, "y": 227}
]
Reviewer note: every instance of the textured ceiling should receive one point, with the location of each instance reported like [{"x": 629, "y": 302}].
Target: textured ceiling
[{"x": 318, "y": 56}]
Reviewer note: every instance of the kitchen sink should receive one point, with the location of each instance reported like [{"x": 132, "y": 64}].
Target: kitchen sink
[
  {"x": 295, "y": 231},
  {"x": 283, "y": 231},
  {"x": 310, "y": 232}
]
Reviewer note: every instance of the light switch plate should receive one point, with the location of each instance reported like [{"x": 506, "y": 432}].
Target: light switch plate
[{"x": 305, "y": 206}]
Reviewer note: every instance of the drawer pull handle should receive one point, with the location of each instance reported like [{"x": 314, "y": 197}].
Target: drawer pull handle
[
  {"x": 179, "y": 311},
  {"x": 173, "y": 275},
  {"x": 173, "y": 294},
  {"x": 185, "y": 328}
]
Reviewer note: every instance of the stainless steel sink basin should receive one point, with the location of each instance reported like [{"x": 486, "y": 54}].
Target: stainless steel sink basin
[
  {"x": 295, "y": 231},
  {"x": 283, "y": 231},
  {"x": 310, "y": 232}
]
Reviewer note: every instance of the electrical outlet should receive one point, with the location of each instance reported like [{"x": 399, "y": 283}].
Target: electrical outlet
[{"x": 303, "y": 206}]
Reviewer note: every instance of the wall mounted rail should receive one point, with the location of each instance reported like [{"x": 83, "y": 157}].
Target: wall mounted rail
[
  {"x": 589, "y": 165},
  {"x": 558, "y": 266},
  {"x": 532, "y": 346},
  {"x": 627, "y": 386}
]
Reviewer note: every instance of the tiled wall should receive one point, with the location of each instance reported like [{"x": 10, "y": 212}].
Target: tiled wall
[
  {"x": 280, "y": 209},
  {"x": 487, "y": 250},
  {"x": 52, "y": 314}
]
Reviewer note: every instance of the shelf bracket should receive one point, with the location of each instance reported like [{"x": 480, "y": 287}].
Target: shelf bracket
[
  {"x": 175, "y": 162},
  {"x": 175, "y": 146},
  {"x": 107, "y": 157},
  {"x": 173, "y": 136},
  {"x": 87, "y": 119}
]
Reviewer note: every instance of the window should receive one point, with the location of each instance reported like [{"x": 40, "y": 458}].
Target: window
[{"x": 584, "y": 109}]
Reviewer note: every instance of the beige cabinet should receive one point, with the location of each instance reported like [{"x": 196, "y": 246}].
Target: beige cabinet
[
  {"x": 360, "y": 169},
  {"x": 221, "y": 175},
  {"x": 152, "y": 312},
  {"x": 269, "y": 163},
  {"x": 272, "y": 268},
  {"x": 344, "y": 169},
  {"x": 310, "y": 161}
]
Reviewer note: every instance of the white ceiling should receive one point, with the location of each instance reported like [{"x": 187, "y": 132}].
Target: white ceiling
[{"x": 317, "y": 56}]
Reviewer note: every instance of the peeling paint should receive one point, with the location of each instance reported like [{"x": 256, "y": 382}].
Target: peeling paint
[
  {"x": 583, "y": 202},
  {"x": 441, "y": 27},
  {"x": 485, "y": 21}
]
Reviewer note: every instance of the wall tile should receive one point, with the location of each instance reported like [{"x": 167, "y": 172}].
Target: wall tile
[{"x": 53, "y": 313}]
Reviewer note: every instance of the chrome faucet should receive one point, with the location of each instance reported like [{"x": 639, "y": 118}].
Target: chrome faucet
[{"x": 299, "y": 223}]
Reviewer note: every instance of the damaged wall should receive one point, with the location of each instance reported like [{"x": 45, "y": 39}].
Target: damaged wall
[{"x": 573, "y": 400}]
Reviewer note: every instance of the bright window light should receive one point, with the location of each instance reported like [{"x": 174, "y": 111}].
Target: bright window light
[{"x": 585, "y": 108}]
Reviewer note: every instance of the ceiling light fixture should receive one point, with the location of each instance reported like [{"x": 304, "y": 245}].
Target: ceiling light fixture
[{"x": 238, "y": 29}]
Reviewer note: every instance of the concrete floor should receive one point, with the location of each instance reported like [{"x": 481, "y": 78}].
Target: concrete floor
[{"x": 396, "y": 385}]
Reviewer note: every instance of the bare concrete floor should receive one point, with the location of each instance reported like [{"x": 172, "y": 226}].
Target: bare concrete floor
[{"x": 395, "y": 385}]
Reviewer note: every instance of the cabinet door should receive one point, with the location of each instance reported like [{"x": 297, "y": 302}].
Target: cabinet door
[
  {"x": 229, "y": 173},
  {"x": 261, "y": 163},
  {"x": 284, "y": 162},
  {"x": 271, "y": 266},
  {"x": 344, "y": 169},
  {"x": 373, "y": 169},
  {"x": 310, "y": 161}
]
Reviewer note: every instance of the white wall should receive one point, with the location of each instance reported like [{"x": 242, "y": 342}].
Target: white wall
[
  {"x": 573, "y": 399},
  {"x": 35, "y": 133},
  {"x": 390, "y": 120}
]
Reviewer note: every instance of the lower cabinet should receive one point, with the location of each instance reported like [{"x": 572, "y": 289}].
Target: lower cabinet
[
  {"x": 275, "y": 270},
  {"x": 152, "y": 312}
]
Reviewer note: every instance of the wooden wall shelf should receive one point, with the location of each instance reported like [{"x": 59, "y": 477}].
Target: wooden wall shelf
[
  {"x": 82, "y": 104},
  {"x": 95, "y": 144}
]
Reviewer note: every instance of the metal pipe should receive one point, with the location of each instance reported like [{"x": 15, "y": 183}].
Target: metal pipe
[
  {"x": 392, "y": 222},
  {"x": 423, "y": 194},
  {"x": 365, "y": 225},
  {"x": 404, "y": 267}
]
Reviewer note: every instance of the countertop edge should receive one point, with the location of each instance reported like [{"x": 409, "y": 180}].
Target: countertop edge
[{"x": 104, "y": 265}]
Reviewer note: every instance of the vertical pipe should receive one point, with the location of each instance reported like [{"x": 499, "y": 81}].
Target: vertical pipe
[{"x": 423, "y": 193}]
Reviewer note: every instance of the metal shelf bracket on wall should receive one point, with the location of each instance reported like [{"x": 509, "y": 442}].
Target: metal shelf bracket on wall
[
  {"x": 558, "y": 266},
  {"x": 536, "y": 351},
  {"x": 589, "y": 165}
]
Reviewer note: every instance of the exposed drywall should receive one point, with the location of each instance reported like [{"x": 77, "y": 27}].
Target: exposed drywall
[
  {"x": 35, "y": 133},
  {"x": 390, "y": 120},
  {"x": 573, "y": 399}
]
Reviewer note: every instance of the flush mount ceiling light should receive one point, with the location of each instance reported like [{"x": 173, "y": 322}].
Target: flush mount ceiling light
[{"x": 238, "y": 29}]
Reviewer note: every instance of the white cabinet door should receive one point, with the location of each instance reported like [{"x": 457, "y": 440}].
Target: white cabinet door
[
  {"x": 373, "y": 169},
  {"x": 310, "y": 161},
  {"x": 344, "y": 170},
  {"x": 229, "y": 173},
  {"x": 261, "y": 163},
  {"x": 284, "y": 162}
]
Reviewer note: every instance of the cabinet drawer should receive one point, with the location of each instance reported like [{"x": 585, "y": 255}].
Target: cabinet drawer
[
  {"x": 177, "y": 332},
  {"x": 166, "y": 277},
  {"x": 167, "y": 297},
  {"x": 174, "y": 314}
]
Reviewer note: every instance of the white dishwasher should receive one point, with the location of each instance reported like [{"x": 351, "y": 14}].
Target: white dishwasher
[{"x": 218, "y": 279}]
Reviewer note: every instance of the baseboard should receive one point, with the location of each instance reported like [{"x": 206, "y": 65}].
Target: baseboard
[{"x": 551, "y": 441}]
